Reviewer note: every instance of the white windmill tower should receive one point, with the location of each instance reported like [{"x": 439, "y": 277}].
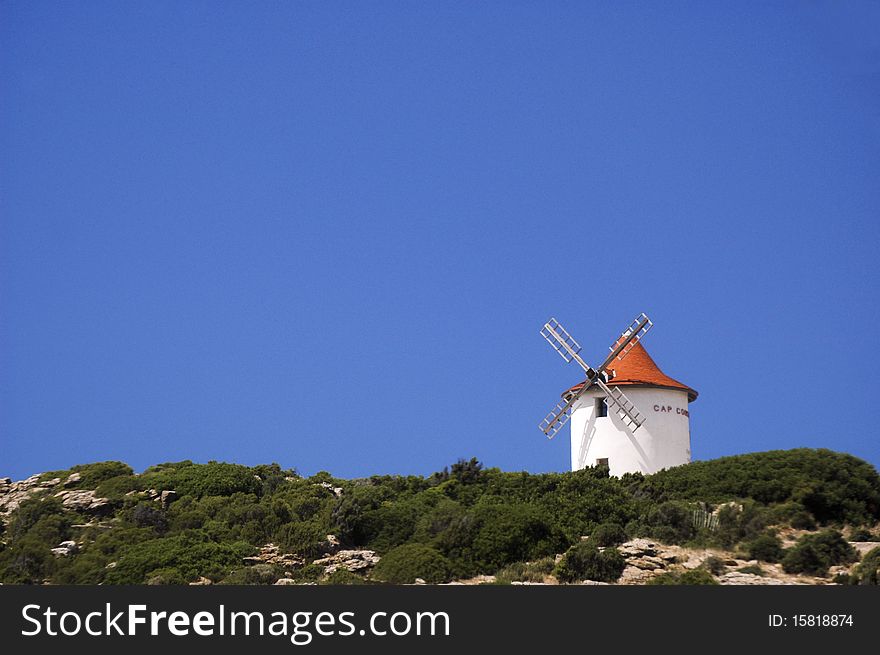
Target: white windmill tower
[{"x": 646, "y": 430}]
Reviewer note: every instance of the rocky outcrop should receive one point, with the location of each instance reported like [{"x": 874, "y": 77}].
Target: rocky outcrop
[
  {"x": 646, "y": 559},
  {"x": 84, "y": 500},
  {"x": 737, "y": 578},
  {"x": 270, "y": 554},
  {"x": 65, "y": 548},
  {"x": 336, "y": 491},
  {"x": 165, "y": 498},
  {"x": 356, "y": 561},
  {"x": 12, "y": 494}
]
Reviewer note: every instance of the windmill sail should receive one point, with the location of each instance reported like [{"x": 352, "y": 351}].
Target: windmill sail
[
  {"x": 569, "y": 349},
  {"x": 563, "y": 343},
  {"x": 625, "y": 408},
  {"x": 627, "y": 340},
  {"x": 557, "y": 418}
]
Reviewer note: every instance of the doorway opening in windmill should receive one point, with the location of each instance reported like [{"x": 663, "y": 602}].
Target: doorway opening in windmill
[
  {"x": 601, "y": 408},
  {"x": 602, "y": 461}
]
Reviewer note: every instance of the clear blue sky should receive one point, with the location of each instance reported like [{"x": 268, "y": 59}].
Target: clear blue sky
[{"x": 326, "y": 234}]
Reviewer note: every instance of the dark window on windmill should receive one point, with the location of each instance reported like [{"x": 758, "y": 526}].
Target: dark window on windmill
[{"x": 601, "y": 408}]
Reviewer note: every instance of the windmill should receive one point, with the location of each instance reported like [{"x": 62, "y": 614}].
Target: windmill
[
  {"x": 609, "y": 427},
  {"x": 569, "y": 349}
]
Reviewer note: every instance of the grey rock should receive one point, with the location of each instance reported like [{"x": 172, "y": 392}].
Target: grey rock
[
  {"x": 737, "y": 578},
  {"x": 633, "y": 575},
  {"x": 83, "y": 500},
  {"x": 270, "y": 554},
  {"x": 65, "y": 548},
  {"x": 638, "y": 548},
  {"x": 337, "y": 491},
  {"x": 350, "y": 560}
]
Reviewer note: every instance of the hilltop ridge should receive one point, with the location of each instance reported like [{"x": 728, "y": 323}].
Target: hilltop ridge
[{"x": 798, "y": 516}]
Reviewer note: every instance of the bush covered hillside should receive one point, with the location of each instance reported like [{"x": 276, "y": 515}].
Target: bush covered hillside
[{"x": 179, "y": 523}]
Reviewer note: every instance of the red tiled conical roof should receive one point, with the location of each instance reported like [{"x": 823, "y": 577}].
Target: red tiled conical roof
[{"x": 638, "y": 369}]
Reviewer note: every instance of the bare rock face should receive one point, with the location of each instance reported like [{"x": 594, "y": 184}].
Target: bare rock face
[
  {"x": 737, "y": 578},
  {"x": 638, "y": 548},
  {"x": 284, "y": 581},
  {"x": 864, "y": 547},
  {"x": 201, "y": 582},
  {"x": 65, "y": 548},
  {"x": 269, "y": 554},
  {"x": 83, "y": 500},
  {"x": 646, "y": 559},
  {"x": 167, "y": 497},
  {"x": 12, "y": 494},
  {"x": 350, "y": 560},
  {"x": 336, "y": 491},
  {"x": 635, "y": 576},
  {"x": 477, "y": 580},
  {"x": 72, "y": 479}
]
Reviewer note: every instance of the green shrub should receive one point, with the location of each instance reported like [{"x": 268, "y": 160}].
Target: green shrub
[
  {"x": 766, "y": 547},
  {"x": 715, "y": 565},
  {"x": 815, "y": 553},
  {"x": 212, "y": 479},
  {"x": 525, "y": 571},
  {"x": 309, "y": 573},
  {"x": 861, "y": 534},
  {"x": 258, "y": 574},
  {"x": 608, "y": 534},
  {"x": 87, "y": 567},
  {"x": 753, "y": 569},
  {"x": 168, "y": 576},
  {"x": 671, "y": 522},
  {"x": 491, "y": 536},
  {"x": 191, "y": 554},
  {"x": 43, "y": 519},
  {"x": 116, "y": 487},
  {"x": 584, "y": 561},
  {"x": 94, "y": 474},
  {"x": 802, "y": 521},
  {"x": 738, "y": 522},
  {"x": 148, "y": 515},
  {"x": 867, "y": 572},
  {"x": 343, "y": 577},
  {"x": 27, "y": 561},
  {"x": 402, "y": 565},
  {"x": 306, "y": 538},
  {"x": 831, "y": 486},
  {"x": 692, "y": 577}
]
